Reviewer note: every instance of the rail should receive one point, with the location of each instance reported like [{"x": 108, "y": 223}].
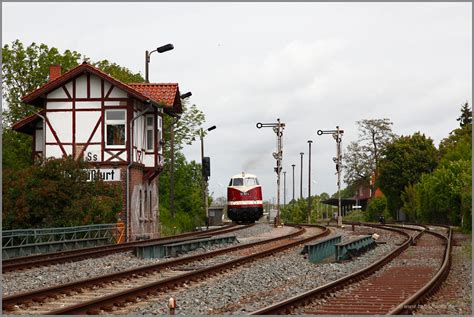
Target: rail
[{"x": 408, "y": 305}]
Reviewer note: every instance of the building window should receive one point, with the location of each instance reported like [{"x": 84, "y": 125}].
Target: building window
[
  {"x": 150, "y": 133},
  {"x": 146, "y": 205},
  {"x": 151, "y": 209},
  {"x": 115, "y": 128},
  {"x": 140, "y": 206},
  {"x": 160, "y": 133}
]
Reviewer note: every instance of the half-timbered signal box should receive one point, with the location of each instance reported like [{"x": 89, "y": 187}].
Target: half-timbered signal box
[{"x": 117, "y": 127}]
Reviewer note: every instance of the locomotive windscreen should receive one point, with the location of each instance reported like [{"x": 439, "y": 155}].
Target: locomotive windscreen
[
  {"x": 251, "y": 181},
  {"x": 238, "y": 182},
  {"x": 248, "y": 181}
]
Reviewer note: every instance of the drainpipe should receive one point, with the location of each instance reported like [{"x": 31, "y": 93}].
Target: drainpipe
[{"x": 130, "y": 164}]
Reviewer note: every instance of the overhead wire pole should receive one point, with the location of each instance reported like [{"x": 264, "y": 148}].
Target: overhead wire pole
[
  {"x": 284, "y": 188},
  {"x": 301, "y": 176},
  {"x": 309, "y": 181},
  {"x": 293, "y": 165},
  {"x": 337, "y": 135},
  {"x": 278, "y": 155}
]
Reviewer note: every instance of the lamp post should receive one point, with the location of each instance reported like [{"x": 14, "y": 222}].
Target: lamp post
[
  {"x": 337, "y": 135},
  {"x": 205, "y": 179},
  {"x": 278, "y": 155},
  {"x": 161, "y": 49},
  {"x": 293, "y": 165},
  {"x": 309, "y": 181},
  {"x": 301, "y": 176}
]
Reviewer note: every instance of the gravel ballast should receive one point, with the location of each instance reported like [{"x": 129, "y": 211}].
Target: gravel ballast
[
  {"x": 261, "y": 283},
  {"x": 34, "y": 278}
]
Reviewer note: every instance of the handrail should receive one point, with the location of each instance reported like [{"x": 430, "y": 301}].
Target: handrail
[{"x": 24, "y": 237}]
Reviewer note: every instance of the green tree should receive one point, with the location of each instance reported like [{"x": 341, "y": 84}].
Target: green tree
[
  {"x": 466, "y": 115},
  {"x": 187, "y": 196},
  {"x": 411, "y": 202},
  {"x": 404, "y": 161},
  {"x": 27, "y": 69},
  {"x": 57, "y": 194},
  {"x": 445, "y": 194},
  {"x": 362, "y": 157},
  {"x": 121, "y": 73},
  {"x": 185, "y": 131}
]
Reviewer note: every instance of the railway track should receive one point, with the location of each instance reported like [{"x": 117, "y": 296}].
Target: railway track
[
  {"x": 22, "y": 263},
  {"x": 114, "y": 290},
  {"x": 393, "y": 285}
]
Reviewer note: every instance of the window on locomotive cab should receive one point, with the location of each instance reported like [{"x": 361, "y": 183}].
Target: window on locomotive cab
[
  {"x": 115, "y": 128},
  {"x": 250, "y": 181},
  {"x": 238, "y": 182}
]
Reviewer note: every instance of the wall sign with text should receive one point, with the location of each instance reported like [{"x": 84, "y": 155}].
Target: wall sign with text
[{"x": 106, "y": 174}]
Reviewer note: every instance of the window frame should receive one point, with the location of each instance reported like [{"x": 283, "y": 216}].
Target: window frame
[
  {"x": 159, "y": 129},
  {"x": 115, "y": 122},
  {"x": 152, "y": 129}
]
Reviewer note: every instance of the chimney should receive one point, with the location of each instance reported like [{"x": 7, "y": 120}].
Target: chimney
[{"x": 54, "y": 72}]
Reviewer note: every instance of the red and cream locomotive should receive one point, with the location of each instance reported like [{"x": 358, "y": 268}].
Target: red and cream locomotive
[{"x": 244, "y": 199}]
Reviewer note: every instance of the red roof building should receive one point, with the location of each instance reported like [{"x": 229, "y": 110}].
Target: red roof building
[{"x": 116, "y": 127}]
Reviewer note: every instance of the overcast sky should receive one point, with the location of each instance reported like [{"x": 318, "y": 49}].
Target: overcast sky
[{"x": 313, "y": 65}]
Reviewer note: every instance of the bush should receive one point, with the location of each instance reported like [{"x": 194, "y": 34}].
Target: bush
[
  {"x": 56, "y": 193},
  {"x": 377, "y": 206},
  {"x": 356, "y": 215}
]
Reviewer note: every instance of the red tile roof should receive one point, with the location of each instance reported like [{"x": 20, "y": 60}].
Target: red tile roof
[
  {"x": 166, "y": 94},
  {"x": 27, "y": 125},
  {"x": 35, "y": 96}
]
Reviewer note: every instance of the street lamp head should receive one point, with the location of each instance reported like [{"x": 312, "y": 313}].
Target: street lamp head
[
  {"x": 293, "y": 165},
  {"x": 186, "y": 95},
  {"x": 165, "y": 48},
  {"x": 310, "y": 141},
  {"x": 211, "y": 128},
  {"x": 301, "y": 153}
]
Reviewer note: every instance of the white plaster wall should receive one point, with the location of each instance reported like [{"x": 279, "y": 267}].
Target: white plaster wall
[
  {"x": 88, "y": 104},
  {"x": 106, "y": 87},
  {"x": 106, "y": 156},
  {"x": 149, "y": 160},
  {"x": 57, "y": 93},
  {"x": 53, "y": 151},
  {"x": 115, "y": 103},
  {"x": 117, "y": 93},
  {"x": 93, "y": 150},
  {"x": 95, "y": 86},
  {"x": 81, "y": 87},
  {"x": 85, "y": 123},
  {"x": 68, "y": 149},
  {"x": 59, "y": 105},
  {"x": 62, "y": 124}
]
